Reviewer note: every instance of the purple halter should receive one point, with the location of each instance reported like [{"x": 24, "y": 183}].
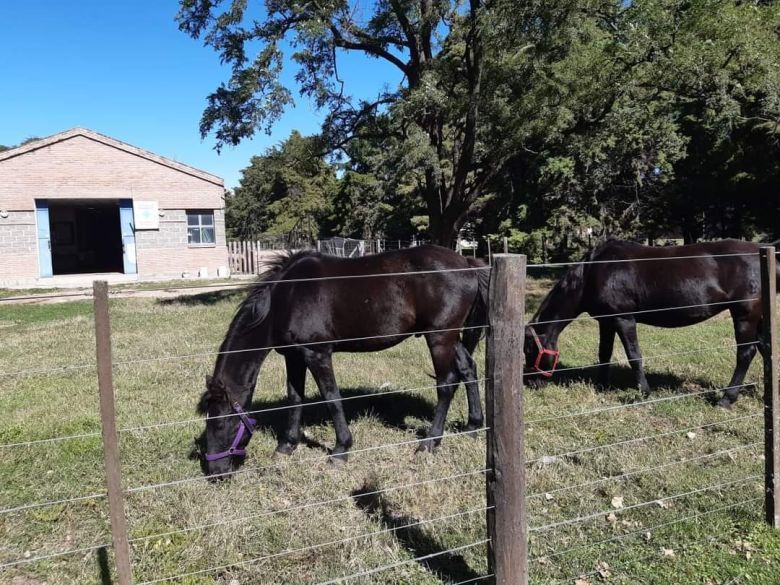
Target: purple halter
[{"x": 246, "y": 425}]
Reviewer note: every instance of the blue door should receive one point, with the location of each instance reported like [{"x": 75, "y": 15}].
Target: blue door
[
  {"x": 128, "y": 235},
  {"x": 44, "y": 237}
]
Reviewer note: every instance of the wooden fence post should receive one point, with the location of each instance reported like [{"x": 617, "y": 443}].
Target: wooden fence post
[
  {"x": 771, "y": 388},
  {"x": 506, "y": 490},
  {"x": 506, "y": 245},
  {"x": 116, "y": 502}
]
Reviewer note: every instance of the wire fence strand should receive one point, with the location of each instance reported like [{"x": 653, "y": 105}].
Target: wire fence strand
[
  {"x": 315, "y": 459},
  {"x": 290, "y": 406},
  {"x": 642, "y": 531},
  {"x": 350, "y": 340},
  {"x": 53, "y": 555},
  {"x": 643, "y": 311},
  {"x": 646, "y": 470},
  {"x": 626, "y": 260},
  {"x": 316, "y": 546},
  {"x": 25, "y": 507},
  {"x": 603, "y": 513},
  {"x": 560, "y": 456},
  {"x": 318, "y": 503},
  {"x": 402, "y": 563},
  {"x": 636, "y": 404}
]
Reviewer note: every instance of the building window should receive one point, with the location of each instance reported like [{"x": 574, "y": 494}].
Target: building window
[{"x": 200, "y": 228}]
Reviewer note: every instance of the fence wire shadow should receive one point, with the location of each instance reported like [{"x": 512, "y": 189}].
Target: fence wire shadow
[{"x": 449, "y": 567}]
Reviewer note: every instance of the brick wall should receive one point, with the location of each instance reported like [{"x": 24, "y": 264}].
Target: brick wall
[
  {"x": 165, "y": 253},
  {"x": 84, "y": 168},
  {"x": 84, "y": 165},
  {"x": 18, "y": 248}
]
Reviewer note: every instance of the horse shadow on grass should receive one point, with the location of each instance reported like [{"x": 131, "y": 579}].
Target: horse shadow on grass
[
  {"x": 204, "y": 299},
  {"x": 408, "y": 531},
  {"x": 390, "y": 409},
  {"x": 621, "y": 377}
]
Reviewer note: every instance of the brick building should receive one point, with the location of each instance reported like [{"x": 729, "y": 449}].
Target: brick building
[{"x": 80, "y": 203}]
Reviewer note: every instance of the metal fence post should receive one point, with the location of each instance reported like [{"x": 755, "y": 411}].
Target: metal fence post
[
  {"x": 506, "y": 490},
  {"x": 110, "y": 440},
  {"x": 771, "y": 388}
]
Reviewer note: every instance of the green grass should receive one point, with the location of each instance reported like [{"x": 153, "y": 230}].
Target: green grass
[{"x": 723, "y": 542}]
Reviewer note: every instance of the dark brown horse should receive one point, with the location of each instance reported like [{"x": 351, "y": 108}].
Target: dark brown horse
[
  {"x": 309, "y": 306},
  {"x": 622, "y": 283}
]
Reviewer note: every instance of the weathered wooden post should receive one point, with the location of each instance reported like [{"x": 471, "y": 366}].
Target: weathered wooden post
[
  {"x": 506, "y": 490},
  {"x": 506, "y": 245},
  {"x": 116, "y": 504},
  {"x": 771, "y": 388}
]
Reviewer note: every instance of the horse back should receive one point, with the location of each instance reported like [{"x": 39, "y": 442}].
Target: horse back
[
  {"x": 321, "y": 298},
  {"x": 625, "y": 276}
]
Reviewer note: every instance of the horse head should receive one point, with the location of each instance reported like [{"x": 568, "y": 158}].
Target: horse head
[
  {"x": 541, "y": 355},
  {"x": 228, "y": 427}
]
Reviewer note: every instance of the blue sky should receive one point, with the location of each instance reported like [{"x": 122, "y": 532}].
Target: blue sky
[{"x": 122, "y": 68}]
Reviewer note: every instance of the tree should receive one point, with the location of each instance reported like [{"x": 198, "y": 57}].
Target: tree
[
  {"x": 287, "y": 191},
  {"x": 446, "y": 115},
  {"x": 665, "y": 121}
]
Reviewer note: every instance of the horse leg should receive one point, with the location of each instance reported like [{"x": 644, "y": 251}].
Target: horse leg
[
  {"x": 467, "y": 372},
  {"x": 444, "y": 357},
  {"x": 321, "y": 366},
  {"x": 746, "y": 334},
  {"x": 606, "y": 345},
  {"x": 626, "y": 330},
  {"x": 296, "y": 384}
]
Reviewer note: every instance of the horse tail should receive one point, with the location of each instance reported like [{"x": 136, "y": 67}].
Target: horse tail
[{"x": 477, "y": 317}]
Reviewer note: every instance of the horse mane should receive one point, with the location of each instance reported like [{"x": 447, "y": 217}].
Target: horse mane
[
  {"x": 254, "y": 308},
  {"x": 572, "y": 283}
]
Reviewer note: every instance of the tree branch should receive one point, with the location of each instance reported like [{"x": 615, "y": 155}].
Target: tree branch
[{"x": 367, "y": 47}]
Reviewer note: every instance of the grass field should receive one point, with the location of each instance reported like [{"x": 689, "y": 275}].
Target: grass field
[{"x": 693, "y": 534}]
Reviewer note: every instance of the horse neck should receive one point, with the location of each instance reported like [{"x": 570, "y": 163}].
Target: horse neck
[
  {"x": 241, "y": 354},
  {"x": 558, "y": 309}
]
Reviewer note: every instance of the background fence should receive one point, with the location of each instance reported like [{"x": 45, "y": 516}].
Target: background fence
[
  {"x": 520, "y": 534},
  {"x": 248, "y": 257}
]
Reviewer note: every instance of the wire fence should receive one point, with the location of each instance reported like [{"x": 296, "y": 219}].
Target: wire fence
[{"x": 679, "y": 466}]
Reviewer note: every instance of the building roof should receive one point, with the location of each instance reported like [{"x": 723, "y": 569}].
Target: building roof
[{"x": 113, "y": 143}]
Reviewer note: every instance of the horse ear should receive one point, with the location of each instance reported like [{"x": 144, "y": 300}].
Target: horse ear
[{"x": 203, "y": 403}]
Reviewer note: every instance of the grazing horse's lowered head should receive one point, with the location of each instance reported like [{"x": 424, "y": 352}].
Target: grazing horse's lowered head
[
  {"x": 228, "y": 426},
  {"x": 541, "y": 355}
]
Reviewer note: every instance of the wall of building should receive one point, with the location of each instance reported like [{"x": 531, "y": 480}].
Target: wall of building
[
  {"x": 165, "y": 253},
  {"x": 18, "y": 249},
  {"x": 80, "y": 168}
]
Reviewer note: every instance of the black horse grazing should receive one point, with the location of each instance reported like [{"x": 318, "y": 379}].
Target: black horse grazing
[
  {"x": 309, "y": 305},
  {"x": 718, "y": 274}
]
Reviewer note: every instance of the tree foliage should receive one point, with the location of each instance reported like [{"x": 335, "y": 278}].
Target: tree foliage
[
  {"x": 288, "y": 190},
  {"x": 534, "y": 120}
]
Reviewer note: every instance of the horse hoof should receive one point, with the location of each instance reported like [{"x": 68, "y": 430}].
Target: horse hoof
[
  {"x": 725, "y": 404},
  {"x": 471, "y": 430},
  {"x": 338, "y": 459},
  {"x": 283, "y": 449},
  {"x": 426, "y": 447}
]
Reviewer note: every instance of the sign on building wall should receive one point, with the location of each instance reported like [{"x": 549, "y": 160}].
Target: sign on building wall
[{"x": 146, "y": 215}]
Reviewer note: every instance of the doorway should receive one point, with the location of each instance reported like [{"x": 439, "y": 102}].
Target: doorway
[{"x": 85, "y": 237}]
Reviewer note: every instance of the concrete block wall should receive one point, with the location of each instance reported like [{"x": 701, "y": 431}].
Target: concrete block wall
[
  {"x": 18, "y": 248},
  {"x": 165, "y": 253}
]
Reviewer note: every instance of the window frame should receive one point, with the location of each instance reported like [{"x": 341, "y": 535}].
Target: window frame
[{"x": 200, "y": 226}]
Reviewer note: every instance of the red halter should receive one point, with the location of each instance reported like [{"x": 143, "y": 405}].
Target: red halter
[{"x": 554, "y": 353}]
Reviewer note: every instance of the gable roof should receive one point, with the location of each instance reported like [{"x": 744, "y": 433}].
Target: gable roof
[{"x": 113, "y": 143}]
